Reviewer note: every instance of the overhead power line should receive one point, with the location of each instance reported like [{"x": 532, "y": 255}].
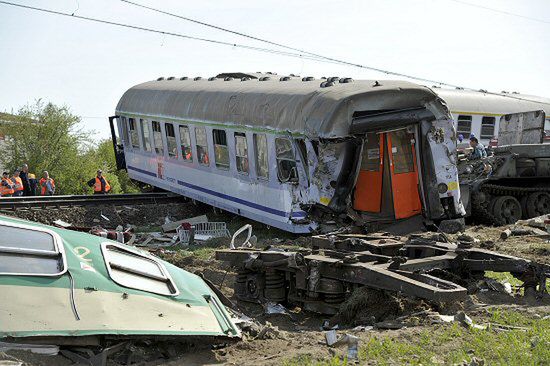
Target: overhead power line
[
  {"x": 501, "y": 11},
  {"x": 260, "y": 49},
  {"x": 303, "y": 55},
  {"x": 321, "y": 57}
]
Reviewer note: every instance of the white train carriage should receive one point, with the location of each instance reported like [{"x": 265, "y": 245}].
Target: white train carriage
[
  {"x": 290, "y": 152},
  {"x": 478, "y": 113}
]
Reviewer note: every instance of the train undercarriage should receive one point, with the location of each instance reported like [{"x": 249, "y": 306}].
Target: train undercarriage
[{"x": 322, "y": 278}]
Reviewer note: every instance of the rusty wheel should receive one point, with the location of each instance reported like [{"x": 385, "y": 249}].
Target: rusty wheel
[
  {"x": 506, "y": 209},
  {"x": 537, "y": 204}
]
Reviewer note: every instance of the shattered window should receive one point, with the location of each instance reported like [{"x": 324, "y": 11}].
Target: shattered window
[
  {"x": 31, "y": 252},
  {"x": 286, "y": 163},
  {"x": 220, "y": 149},
  {"x": 487, "y": 127},
  {"x": 134, "y": 138},
  {"x": 171, "y": 140},
  {"x": 464, "y": 126},
  {"x": 260, "y": 151},
  {"x": 202, "y": 146},
  {"x": 134, "y": 270},
  {"x": 241, "y": 151},
  {"x": 185, "y": 139},
  {"x": 145, "y": 134},
  {"x": 157, "y": 138}
]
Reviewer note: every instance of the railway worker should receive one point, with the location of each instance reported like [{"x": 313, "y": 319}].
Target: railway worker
[
  {"x": 18, "y": 184},
  {"x": 479, "y": 150},
  {"x": 6, "y": 186},
  {"x": 24, "y": 174},
  {"x": 47, "y": 184},
  {"x": 99, "y": 183}
]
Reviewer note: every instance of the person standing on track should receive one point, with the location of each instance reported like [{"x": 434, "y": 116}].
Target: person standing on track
[
  {"x": 24, "y": 174},
  {"x": 99, "y": 183},
  {"x": 18, "y": 184},
  {"x": 6, "y": 186},
  {"x": 47, "y": 185}
]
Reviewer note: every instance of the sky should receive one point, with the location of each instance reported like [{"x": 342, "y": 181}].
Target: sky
[{"x": 88, "y": 66}]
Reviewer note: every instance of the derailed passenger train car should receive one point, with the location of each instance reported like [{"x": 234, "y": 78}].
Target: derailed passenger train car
[
  {"x": 65, "y": 287},
  {"x": 293, "y": 152}
]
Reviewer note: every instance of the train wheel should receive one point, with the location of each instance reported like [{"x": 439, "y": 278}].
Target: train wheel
[
  {"x": 538, "y": 204},
  {"x": 506, "y": 209}
]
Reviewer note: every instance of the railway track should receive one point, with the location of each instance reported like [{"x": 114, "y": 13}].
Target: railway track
[{"x": 35, "y": 202}]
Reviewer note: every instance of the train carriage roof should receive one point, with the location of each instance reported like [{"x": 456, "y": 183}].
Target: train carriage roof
[{"x": 296, "y": 106}]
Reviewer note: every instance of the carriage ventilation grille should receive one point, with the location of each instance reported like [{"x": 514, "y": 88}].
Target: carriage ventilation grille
[{"x": 204, "y": 231}]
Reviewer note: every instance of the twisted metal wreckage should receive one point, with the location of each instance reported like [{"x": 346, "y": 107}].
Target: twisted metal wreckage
[{"x": 322, "y": 278}]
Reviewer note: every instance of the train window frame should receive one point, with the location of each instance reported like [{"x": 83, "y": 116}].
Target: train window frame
[
  {"x": 124, "y": 133},
  {"x": 56, "y": 253},
  {"x": 146, "y": 140},
  {"x": 221, "y": 146},
  {"x": 464, "y": 118},
  {"x": 171, "y": 140},
  {"x": 241, "y": 158},
  {"x": 487, "y": 121},
  {"x": 259, "y": 158},
  {"x": 281, "y": 159},
  {"x": 203, "y": 148},
  {"x": 140, "y": 271},
  {"x": 159, "y": 150},
  {"x": 133, "y": 132},
  {"x": 189, "y": 147}
]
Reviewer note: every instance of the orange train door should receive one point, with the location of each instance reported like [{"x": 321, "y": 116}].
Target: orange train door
[
  {"x": 368, "y": 190},
  {"x": 404, "y": 174}
]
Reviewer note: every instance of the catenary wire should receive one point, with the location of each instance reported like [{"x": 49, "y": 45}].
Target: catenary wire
[
  {"x": 501, "y": 11},
  {"x": 260, "y": 49},
  {"x": 325, "y": 58}
]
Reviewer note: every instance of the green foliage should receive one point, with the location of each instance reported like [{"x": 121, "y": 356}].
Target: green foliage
[{"x": 47, "y": 137}]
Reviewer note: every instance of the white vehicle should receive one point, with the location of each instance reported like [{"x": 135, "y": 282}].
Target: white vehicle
[
  {"x": 293, "y": 153},
  {"x": 478, "y": 113}
]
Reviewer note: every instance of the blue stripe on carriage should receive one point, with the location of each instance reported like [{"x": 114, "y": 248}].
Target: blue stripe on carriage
[{"x": 270, "y": 210}]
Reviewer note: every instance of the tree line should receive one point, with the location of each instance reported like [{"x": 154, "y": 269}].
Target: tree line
[{"x": 49, "y": 137}]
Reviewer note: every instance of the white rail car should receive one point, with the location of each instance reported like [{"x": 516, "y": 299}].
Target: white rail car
[
  {"x": 478, "y": 113},
  {"x": 292, "y": 152}
]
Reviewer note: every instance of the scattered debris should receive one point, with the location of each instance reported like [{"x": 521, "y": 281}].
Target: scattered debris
[
  {"x": 50, "y": 350},
  {"x": 351, "y": 341},
  {"x": 171, "y": 226},
  {"x": 274, "y": 308},
  {"x": 250, "y": 240}
]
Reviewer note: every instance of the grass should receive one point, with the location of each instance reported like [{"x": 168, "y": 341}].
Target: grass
[
  {"x": 507, "y": 277},
  {"x": 453, "y": 343}
]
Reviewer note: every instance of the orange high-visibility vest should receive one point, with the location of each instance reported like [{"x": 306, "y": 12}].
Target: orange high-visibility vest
[
  {"x": 6, "y": 190},
  {"x": 18, "y": 184},
  {"x": 43, "y": 191},
  {"x": 97, "y": 185}
]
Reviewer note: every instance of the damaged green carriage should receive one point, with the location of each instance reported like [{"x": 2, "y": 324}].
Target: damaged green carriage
[{"x": 60, "y": 283}]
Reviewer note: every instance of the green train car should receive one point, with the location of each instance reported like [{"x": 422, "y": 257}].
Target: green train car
[{"x": 61, "y": 283}]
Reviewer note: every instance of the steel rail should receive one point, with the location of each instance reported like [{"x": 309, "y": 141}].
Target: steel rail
[{"x": 14, "y": 203}]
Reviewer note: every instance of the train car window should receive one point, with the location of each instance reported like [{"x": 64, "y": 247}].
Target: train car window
[
  {"x": 157, "y": 138},
  {"x": 487, "y": 127},
  {"x": 220, "y": 149},
  {"x": 185, "y": 139},
  {"x": 145, "y": 134},
  {"x": 241, "y": 151},
  {"x": 464, "y": 126},
  {"x": 402, "y": 152},
  {"x": 171, "y": 140},
  {"x": 30, "y": 252},
  {"x": 130, "y": 268},
  {"x": 202, "y": 146},
  {"x": 260, "y": 151},
  {"x": 134, "y": 137},
  {"x": 124, "y": 131},
  {"x": 286, "y": 163}
]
